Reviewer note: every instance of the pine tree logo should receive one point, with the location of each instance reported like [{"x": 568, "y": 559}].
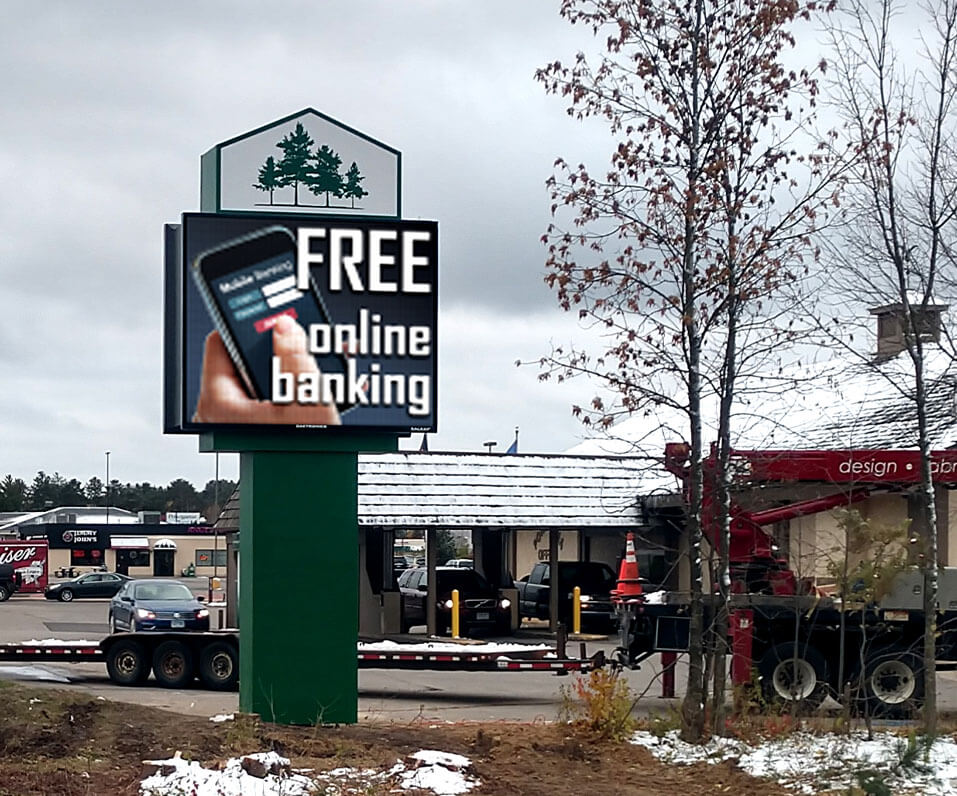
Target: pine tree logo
[{"x": 318, "y": 170}]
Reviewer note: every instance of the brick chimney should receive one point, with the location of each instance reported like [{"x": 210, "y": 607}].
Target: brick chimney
[{"x": 892, "y": 320}]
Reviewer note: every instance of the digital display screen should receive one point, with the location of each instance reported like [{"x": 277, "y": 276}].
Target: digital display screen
[{"x": 301, "y": 321}]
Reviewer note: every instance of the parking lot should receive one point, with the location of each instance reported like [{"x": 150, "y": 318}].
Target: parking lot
[{"x": 384, "y": 695}]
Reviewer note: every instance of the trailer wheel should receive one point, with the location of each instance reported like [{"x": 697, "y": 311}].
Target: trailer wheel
[
  {"x": 218, "y": 666},
  {"x": 4, "y": 594},
  {"x": 173, "y": 664},
  {"x": 126, "y": 663},
  {"x": 794, "y": 673},
  {"x": 894, "y": 684}
]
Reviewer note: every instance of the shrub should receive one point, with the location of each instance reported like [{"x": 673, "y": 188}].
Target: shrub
[{"x": 602, "y": 702}]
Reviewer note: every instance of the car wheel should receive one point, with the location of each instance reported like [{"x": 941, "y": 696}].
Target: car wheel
[
  {"x": 66, "y": 595},
  {"x": 126, "y": 663},
  {"x": 4, "y": 593},
  {"x": 173, "y": 664},
  {"x": 219, "y": 666},
  {"x": 794, "y": 674},
  {"x": 112, "y": 624},
  {"x": 894, "y": 685}
]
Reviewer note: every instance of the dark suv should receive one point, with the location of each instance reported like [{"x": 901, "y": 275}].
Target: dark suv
[
  {"x": 9, "y": 581},
  {"x": 480, "y": 606}
]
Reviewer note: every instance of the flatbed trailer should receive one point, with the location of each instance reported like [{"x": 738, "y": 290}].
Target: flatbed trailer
[{"x": 177, "y": 658}]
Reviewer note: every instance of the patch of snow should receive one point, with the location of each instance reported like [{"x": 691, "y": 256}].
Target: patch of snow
[
  {"x": 445, "y": 647},
  {"x": 190, "y": 777},
  {"x": 57, "y": 642},
  {"x": 811, "y": 763},
  {"x": 441, "y": 773},
  {"x": 33, "y": 673},
  {"x": 655, "y": 597},
  {"x": 220, "y": 717}
]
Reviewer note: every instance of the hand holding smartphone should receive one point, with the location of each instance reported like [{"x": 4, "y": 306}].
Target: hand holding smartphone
[{"x": 249, "y": 287}]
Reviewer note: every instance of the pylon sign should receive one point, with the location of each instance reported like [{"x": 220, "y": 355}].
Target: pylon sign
[
  {"x": 300, "y": 300},
  {"x": 303, "y": 163}
]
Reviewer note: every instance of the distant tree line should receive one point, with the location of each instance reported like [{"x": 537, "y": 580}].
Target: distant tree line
[{"x": 49, "y": 491}]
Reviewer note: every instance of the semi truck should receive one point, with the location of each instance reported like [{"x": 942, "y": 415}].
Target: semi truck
[{"x": 801, "y": 643}]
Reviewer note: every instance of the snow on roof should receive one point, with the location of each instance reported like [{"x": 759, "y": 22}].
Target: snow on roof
[
  {"x": 506, "y": 490},
  {"x": 840, "y": 404}
]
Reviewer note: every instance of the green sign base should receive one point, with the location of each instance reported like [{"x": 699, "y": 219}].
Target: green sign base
[{"x": 299, "y": 573}]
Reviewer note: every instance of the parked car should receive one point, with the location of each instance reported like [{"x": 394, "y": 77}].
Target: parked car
[
  {"x": 92, "y": 584},
  {"x": 596, "y": 581},
  {"x": 10, "y": 581},
  {"x": 463, "y": 563},
  {"x": 157, "y": 605},
  {"x": 400, "y": 562},
  {"x": 480, "y": 606}
]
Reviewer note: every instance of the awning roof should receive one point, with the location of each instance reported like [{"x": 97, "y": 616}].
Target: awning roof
[{"x": 129, "y": 543}]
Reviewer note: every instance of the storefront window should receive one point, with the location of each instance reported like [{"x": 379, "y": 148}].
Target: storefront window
[
  {"x": 210, "y": 558},
  {"x": 85, "y": 557},
  {"x": 133, "y": 558}
]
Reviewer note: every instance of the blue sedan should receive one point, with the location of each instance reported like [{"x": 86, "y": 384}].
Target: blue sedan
[{"x": 157, "y": 605}]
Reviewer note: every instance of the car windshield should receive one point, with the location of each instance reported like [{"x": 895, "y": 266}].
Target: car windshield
[
  {"x": 162, "y": 591},
  {"x": 465, "y": 580}
]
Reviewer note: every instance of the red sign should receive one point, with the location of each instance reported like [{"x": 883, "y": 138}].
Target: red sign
[
  {"x": 843, "y": 466},
  {"x": 30, "y": 559}
]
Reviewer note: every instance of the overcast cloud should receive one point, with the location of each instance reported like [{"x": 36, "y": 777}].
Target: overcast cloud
[{"x": 107, "y": 109}]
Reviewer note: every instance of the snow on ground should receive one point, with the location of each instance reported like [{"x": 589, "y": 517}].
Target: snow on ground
[
  {"x": 809, "y": 763},
  {"x": 57, "y": 642},
  {"x": 441, "y": 647},
  {"x": 442, "y": 773},
  {"x": 33, "y": 673}
]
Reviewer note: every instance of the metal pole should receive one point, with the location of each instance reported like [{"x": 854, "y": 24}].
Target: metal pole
[
  {"x": 216, "y": 521},
  {"x": 107, "y": 487}
]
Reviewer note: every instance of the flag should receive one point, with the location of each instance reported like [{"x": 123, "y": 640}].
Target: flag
[
  {"x": 513, "y": 448},
  {"x": 424, "y": 447}
]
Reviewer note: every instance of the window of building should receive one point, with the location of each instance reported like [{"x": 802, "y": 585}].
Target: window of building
[
  {"x": 85, "y": 557},
  {"x": 133, "y": 558},
  {"x": 210, "y": 558}
]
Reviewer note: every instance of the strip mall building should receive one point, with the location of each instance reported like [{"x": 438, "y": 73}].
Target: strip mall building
[{"x": 86, "y": 537}]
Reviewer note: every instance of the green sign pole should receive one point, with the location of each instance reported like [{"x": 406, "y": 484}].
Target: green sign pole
[{"x": 299, "y": 573}]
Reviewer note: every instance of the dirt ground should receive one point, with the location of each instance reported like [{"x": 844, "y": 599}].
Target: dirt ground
[{"x": 55, "y": 743}]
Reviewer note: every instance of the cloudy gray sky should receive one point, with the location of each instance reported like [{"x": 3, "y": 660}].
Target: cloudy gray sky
[{"x": 107, "y": 108}]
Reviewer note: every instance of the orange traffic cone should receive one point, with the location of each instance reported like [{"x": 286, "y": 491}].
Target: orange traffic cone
[{"x": 629, "y": 584}]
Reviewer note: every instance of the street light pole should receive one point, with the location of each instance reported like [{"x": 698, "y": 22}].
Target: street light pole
[
  {"x": 216, "y": 525},
  {"x": 107, "y": 487}
]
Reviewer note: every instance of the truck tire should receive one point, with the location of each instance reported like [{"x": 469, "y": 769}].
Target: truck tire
[
  {"x": 894, "y": 684},
  {"x": 126, "y": 663},
  {"x": 794, "y": 674},
  {"x": 4, "y": 593},
  {"x": 173, "y": 664},
  {"x": 219, "y": 666}
]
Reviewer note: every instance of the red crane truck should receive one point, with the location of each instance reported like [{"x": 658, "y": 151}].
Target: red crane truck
[{"x": 781, "y": 624}]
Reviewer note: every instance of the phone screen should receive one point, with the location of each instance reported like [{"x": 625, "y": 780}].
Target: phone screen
[{"x": 251, "y": 282}]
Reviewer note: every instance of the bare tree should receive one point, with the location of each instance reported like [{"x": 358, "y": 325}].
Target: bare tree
[
  {"x": 897, "y": 248},
  {"x": 678, "y": 250}
]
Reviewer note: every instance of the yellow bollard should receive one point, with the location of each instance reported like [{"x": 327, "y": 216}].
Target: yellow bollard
[
  {"x": 455, "y": 613},
  {"x": 577, "y": 610}
]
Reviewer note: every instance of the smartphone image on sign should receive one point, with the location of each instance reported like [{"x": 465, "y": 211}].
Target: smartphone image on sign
[{"x": 247, "y": 284}]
